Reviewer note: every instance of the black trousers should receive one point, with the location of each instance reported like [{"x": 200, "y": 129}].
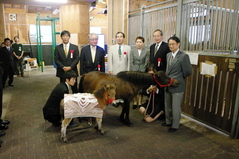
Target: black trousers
[
  {"x": 0, "y": 103},
  {"x": 8, "y": 73}
]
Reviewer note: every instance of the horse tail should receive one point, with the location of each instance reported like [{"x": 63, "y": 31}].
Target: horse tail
[{"x": 81, "y": 90}]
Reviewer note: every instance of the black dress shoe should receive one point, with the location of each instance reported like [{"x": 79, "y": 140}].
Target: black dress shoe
[
  {"x": 164, "y": 124},
  {"x": 172, "y": 130},
  {"x": 135, "y": 106},
  {"x": 2, "y": 133},
  {"x": 3, "y": 127},
  {"x": 5, "y": 122},
  {"x": 56, "y": 124},
  {"x": 11, "y": 85}
]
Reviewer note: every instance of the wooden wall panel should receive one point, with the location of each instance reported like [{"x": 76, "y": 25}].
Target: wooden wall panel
[
  {"x": 2, "y": 22},
  {"x": 117, "y": 19},
  {"x": 212, "y": 99},
  {"x": 75, "y": 18}
]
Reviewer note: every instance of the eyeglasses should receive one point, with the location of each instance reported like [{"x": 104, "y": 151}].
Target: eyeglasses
[{"x": 93, "y": 39}]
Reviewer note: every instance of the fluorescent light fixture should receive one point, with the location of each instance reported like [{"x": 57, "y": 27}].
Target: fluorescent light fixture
[{"x": 53, "y": 1}]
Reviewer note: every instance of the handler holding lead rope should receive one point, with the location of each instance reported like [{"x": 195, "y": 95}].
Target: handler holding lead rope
[{"x": 154, "y": 106}]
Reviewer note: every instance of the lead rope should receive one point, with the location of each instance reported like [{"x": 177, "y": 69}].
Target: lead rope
[{"x": 149, "y": 103}]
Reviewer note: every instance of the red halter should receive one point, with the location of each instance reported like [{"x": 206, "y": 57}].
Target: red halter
[
  {"x": 161, "y": 85},
  {"x": 108, "y": 100}
]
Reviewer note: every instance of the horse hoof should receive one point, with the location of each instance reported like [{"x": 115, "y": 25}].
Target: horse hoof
[
  {"x": 101, "y": 132},
  {"x": 96, "y": 127},
  {"x": 64, "y": 139}
]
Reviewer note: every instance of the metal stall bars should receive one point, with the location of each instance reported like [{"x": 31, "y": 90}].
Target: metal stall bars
[
  {"x": 39, "y": 42},
  {"x": 207, "y": 27}
]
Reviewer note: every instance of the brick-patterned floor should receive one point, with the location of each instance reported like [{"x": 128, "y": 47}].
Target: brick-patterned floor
[{"x": 30, "y": 137}]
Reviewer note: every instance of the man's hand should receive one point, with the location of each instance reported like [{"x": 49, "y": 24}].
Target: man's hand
[
  {"x": 66, "y": 68},
  {"x": 152, "y": 88}
]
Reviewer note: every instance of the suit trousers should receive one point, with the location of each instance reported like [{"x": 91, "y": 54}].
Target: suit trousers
[
  {"x": 173, "y": 103},
  {"x": 8, "y": 73},
  {"x": 18, "y": 64},
  {"x": 1, "y": 102}
]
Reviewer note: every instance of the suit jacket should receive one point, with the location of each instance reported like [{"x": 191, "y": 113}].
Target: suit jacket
[
  {"x": 180, "y": 68},
  {"x": 61, "y": 60},
  {"x": 138, "y": 63},
  {"x": 161, "y": 53},
  {"x": 6, "y": 58},
  {"x": 117, "y": 64},
  {"x": 51, "y": 110},
  {"x": 86, "y": 64}
]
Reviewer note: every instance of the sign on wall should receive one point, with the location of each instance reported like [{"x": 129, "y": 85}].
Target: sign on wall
[{"x": 12, "y": 17}]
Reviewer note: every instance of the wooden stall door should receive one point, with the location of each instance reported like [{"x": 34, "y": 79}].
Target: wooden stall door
[{"x": 212, "y": 99}]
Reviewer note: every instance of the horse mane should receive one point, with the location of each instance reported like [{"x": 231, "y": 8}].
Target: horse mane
[
  {"x": 98, "y": 93},
  {"x": 135, "y": 77}
]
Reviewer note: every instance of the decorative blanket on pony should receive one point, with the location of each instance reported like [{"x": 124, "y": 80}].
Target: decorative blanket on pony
[{"x": 81, "y": 105}]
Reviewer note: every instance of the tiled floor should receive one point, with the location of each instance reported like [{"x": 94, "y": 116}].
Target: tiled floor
[{"x": 30, "y": 137}]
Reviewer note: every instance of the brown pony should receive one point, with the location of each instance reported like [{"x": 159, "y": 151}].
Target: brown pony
[
  {"x": 104, "y": 95},
  {"x": 128, "y": 84}
]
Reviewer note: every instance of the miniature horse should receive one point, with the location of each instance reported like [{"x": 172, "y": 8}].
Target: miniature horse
[
  {"x": 128, "y": 84},
  {"x": 105, "y": 95}
]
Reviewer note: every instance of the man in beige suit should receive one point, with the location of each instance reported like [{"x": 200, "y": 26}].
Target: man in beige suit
[{"x": 119, "y": 55}]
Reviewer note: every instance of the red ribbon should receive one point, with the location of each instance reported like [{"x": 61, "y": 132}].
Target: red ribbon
[
  {"x": 159, "y": 60},
  {"x": 98, "y": 66}
]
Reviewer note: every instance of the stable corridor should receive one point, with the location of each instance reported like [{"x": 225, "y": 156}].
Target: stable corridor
[{"x": 30, "y": 137}]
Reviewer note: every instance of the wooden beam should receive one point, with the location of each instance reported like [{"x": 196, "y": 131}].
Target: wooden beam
[{"x": 2, "y": 22}]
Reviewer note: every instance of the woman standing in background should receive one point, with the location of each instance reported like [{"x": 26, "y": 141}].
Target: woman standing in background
[{"x": 139, "y": 58}]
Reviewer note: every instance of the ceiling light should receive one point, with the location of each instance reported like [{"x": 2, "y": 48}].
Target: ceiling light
[{"x": 53, "y": 1}]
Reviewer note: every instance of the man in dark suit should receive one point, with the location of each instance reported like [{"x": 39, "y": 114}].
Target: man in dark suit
[
  {"x": 6, "y": 59},
  {"x": 158, "y": 51},
  {"x": 3, "y": 123},
  {"x": 66, "y": 57},
  {"x": 178, "y": 67},
  {"x": 92, "y": 56},
  {"x": 51, "y": 110}
]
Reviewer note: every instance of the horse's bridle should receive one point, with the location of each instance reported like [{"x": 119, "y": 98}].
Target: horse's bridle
[
  {"x": 163, "y": 85},
  {"x": 108, "y": 100}
]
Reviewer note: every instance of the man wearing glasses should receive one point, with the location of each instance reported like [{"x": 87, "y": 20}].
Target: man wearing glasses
[{"x": 92, "y": 57}]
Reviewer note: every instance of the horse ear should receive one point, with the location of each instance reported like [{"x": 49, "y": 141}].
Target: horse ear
[{"x": 105, "y": 87}]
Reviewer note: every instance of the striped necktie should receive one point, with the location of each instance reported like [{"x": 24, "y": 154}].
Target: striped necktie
[
  {"x": 156, "y": 49},
  {"x": 119, "y": 51},
  {"x": 65, "y": 50}
]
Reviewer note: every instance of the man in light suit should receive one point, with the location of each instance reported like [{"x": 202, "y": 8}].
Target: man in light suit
[
  {"x": 51, "y": 110},
  {"x": 119, "y": 55},
  {"x": 92, "y": 56},
  {"x": 158, "y": 51},
  {"x": 6, "y": 60},
  {"x": 66, "y": 57},
  {"x": 178, "y": 67}
]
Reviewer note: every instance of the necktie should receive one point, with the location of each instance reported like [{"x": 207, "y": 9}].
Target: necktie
[
  {"x": 65, "y": 50},
  {"x": 70, "y": 90},
  {"x": 156, "y": 49},
  {"x": 93, "y": 54},
  {"x": 119, "y": 51},
  {"x": 171, "y": 60},
  {"x": 8, "y": 48}
]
